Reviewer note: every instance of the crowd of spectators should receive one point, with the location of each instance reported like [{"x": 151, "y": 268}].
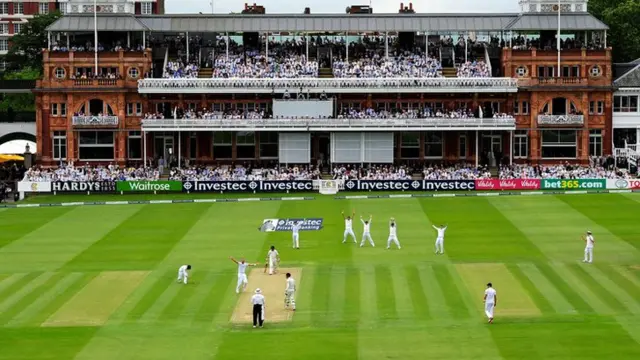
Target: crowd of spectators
[
  {"x": 383, "y": 172},
  {"x": 407, "y": 65},
  {"x": 256, "y": 64},
  {"x": 180, "y": 69},
  {"x": 242, "y": 173},
  {"x": 69, "y": 172},
  {"x": 474, "y": 69},
  {"x": 455, "y": 172},
  {"x": 211, "y": 115},
  {"x": 566, "y": 171}
]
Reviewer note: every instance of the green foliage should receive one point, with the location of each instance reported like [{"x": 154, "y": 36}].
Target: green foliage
[
  {"x": 27, "y": 46},
  {"x": 19, "y": 102},
  {"x": 623, "y": 18}
]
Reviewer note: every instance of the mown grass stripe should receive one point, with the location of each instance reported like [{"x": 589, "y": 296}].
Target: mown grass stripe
[
  {"x": 632, "y": 275},
  {"x": 453, "y": 297},
  {"x": 9, "y": 280},
  {"x": 404, "y": 307},
  {"x": 201, "y": 289},
  {"x": 417, "y": 292},
  {"x": 438, "y": 308},
  {"x": 574, "y": 298},
  {"x": 304, "y": 297},
  {"x": 212, "y": 304},
  {"x": 546, "y": 289},
  {"x": 29, "y": 294},
  {"x": 615, "y": 286},
  {"x": 386, "y": 300},
  {"x": 336, "y": 296},
  {"x": 368, "y": 298},
  {"x": 44, "y": 297},
  {"x": 540, "y": 300},
  {"x": 61, "y": 298},
  {"x": 597, "y": 288},
  {"x": 582, "y": 289},
  {"x": 15, "y": 286},
  {"x": 352, "y": 295},
  {"x": 178, "y": 304},
  {"x": 321, "y": 293},
  {"x": 149, "y": 298},
  {"x": 162, "y": 302}
]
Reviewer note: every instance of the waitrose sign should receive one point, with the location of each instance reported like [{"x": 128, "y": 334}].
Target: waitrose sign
[{"x": 150, "y": 186}]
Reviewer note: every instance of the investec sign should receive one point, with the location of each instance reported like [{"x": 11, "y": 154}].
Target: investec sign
[
  {"x": 244, "y": 186},
  {"x": 409, "y": 185}
]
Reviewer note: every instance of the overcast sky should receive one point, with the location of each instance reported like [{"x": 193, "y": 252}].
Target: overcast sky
[{"x": 339, "y": 6}]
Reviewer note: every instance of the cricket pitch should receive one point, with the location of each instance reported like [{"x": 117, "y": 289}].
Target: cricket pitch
[{"x": 272, "y": 287}]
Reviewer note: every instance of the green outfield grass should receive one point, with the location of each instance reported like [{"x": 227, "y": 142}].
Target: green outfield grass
[{"x": 98, "y": 282}]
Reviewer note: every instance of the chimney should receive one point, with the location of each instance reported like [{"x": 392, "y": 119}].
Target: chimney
[
  {"x": 410, "y": 6},
  {"x": 307, "y": 10},
  {"x": 246, "y": 6},
  {"x": 401, "y": 6}
]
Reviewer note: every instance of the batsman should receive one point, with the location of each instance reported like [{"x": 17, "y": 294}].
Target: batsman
[{"x": 273, "y": 261}]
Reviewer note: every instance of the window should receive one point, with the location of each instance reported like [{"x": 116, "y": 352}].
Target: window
[
  {"x": 525, "y": 108},
  {"x": 4, "y": 28},
  {"x": 516, "y": 108},
  {"x": 4, "y": 45},
  {"x": 222, "y": 148},
  {"x": 521, "y": 144},
  {"x": 59, "y": 145},
  {"x": 559, "y": 144},
  {"x": 571, "y": 71},
  {"x": 433, "y": 144},
  {"x": 63, "y": 8},
  {"x": 96, "y": 145},
  {"x": 134, "y": 145},
  {"x": 54, "y": 109},
  {"x": 625, "y": 103},
  {"x": 43, "y": 8},
  {"x": 269, "y": 145},
  {"x": 63, "y": 109},
  {"x": 4, "y": 8},
  {"x": 193, "y": 146},
  {"x": 246, "y": 145},
  {"x": 18, "y": 8},
  {"x": 595, "y": 142},
  {"x": 596, "y": 107},
  {"x": 147, "y": 8},
  {"x": 59, "y": 73},
  {"x": 134, "y": 72},
  {"x": 410, "y": 145},
  {"x": 17, "y": 28},
  {"x": 600, "y": 108},
  {"x": 134, "y": 109},
  {"x": 462, "y": 146},
  {"x": 595, "y": 71}
]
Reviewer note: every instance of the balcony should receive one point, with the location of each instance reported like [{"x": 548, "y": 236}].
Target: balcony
[
  {"x": 97, "y": 82},
  {"x": 95, "y": 121},
  {"x": 574, "y": 120},
  {"x": 564, "y": 82},
  {"x": 329, "y": 85},
  {"x": 342, "y": 125}
]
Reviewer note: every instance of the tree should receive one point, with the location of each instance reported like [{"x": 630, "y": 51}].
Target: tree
[
  {"x": 19, "y": 102},
  {"x": 26, "y": 47},
  {"x": 623, "y": 18}
]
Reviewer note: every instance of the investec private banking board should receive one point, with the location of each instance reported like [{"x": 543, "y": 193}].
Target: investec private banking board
[{"x": 552, "y": 118}]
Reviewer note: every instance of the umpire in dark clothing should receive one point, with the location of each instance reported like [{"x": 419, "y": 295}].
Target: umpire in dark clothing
[{"x": 257, "y": 300}]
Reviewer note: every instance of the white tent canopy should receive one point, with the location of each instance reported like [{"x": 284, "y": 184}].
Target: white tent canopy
[{"x": 17, "y": 147}]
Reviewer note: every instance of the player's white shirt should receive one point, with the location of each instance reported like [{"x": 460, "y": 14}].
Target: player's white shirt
[
  {"x": 590, "y": 241},
  {"x": 490, "y": 294},
  {"x": 242, "y": 267},
  {"x": 348, "y": 224},
  {"x": 367, "y": 226},
  {"x": 440, "y": 231},
  {"x": 296, "y": 228},
  {"x": 183, "y": 269},
  {"x": 291, "y": 285},
  {"x": 273, "y": 254},
  {"x": 392, "y": 230}
]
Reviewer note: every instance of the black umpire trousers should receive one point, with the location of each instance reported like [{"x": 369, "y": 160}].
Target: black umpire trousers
[{"x": 257, "y": 315}]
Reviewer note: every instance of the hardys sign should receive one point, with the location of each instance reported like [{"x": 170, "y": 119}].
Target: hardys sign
[
  {"x": 632, "y": 184},
  {"x": 83, "y": 186},
  {"x": 409, "y": 185},
  {"x": 248, "y": 186}
]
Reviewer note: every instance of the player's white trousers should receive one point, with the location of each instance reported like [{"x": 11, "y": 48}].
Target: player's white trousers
[
  {"x": 366, "y": 236},
  {"x": 349, "y": 232},
  {"x": 488, "y": 309},
  {"x": 440, "y": 245},
  {"x": 296, "y": 242},
  {"x": 242, "y": 282},
  {"x": 394, "y": 240},
  {"x": 588, "y": 254},
  {"x": 273, "y": 265},
  {"x": 289, "y": 299},
  {"x": 182, "y": 276}
]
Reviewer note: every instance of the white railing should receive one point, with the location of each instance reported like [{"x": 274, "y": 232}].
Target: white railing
[
  {"x": 505, "y": 123},
  {"x": 95, "y": 120},
  {"x": 334, "y": 85},
  {"x": 560, "y": 119}
]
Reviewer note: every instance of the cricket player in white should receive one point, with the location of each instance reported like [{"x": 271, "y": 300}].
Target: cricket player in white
[
  {"x": 348, "y": 227},
  {"x": 588, "y": 250},
  {"x": 393, "y": 235},
  {"x": 490, "y": 301},
  {"x": 290, "y": 293},
  {"x": 183, "y": 274},
  {"x": 273, "y": 259},
  {"x": 242, "y": 276},
  {"x": 366, "y": 233},
  {"x": 440, "y": 238},
  {"x": 295, "y": 229}
]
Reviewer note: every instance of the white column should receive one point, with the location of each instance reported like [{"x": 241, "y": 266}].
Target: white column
[
  {"x": 187, "y": 39},
  {"x": 144, "y": 40},
  {"x": 306, "y": 41},
  {"x": 227, "y": 46},
  {"x": 637, "y": 137},
  {"x": 511, "y": 151},
  {"x": 179, "y": 148},
  {"x": 346, "y": 42},
  {"x": 466, "y": 50},
  {"x": 144, "y": 147},
  {"x": 267, "y": 46},
  {"x": 477, "y": 148},
  {"x": 426, "y": 45},
  {"x": 49, "y": 40},
  {"x": 605, "y": 39},
  {"x": 386, "y": 44},
  {"x": 511, "y": 39},
  {"x": 128, "y": 39},
  {"x": 68, "y": 42}
]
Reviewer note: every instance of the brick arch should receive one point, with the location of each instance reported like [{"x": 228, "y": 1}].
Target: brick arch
[
  {"x": 78, "y": 103},
  {"x": 570, "y": 97}
]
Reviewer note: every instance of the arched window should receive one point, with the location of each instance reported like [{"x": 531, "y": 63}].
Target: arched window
[{"x": 95, "y": 107}]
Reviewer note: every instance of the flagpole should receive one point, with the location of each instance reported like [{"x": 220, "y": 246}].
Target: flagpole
[
  {"x": 558, "y": 40},
  {"x": 95, "y": 35}
]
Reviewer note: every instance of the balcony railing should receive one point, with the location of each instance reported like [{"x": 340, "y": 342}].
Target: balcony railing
[
  {"x": 560, "y": 119},
  {"x": 95, "y": 82},
  {"x": 89, "y": 121},
  {"x": 505, "y": 123},
  {"x": 333, "y": 85}
]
